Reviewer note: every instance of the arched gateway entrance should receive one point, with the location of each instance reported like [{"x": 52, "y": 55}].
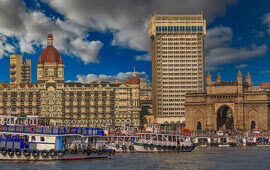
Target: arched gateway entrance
[{"x": 225, "y": 118}]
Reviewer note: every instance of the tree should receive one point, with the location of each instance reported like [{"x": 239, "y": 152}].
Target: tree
[{"x": 143, "y": 113}]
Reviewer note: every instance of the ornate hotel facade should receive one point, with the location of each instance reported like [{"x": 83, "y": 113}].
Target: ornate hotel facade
[{"x": 97, "y": 104}]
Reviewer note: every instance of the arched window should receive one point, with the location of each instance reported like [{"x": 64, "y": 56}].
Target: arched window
[
  {"x": 199, "y": 125},
  {"x": 252, "y": 125}
]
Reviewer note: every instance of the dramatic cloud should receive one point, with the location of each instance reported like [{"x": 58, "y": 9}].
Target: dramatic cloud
[
  {"x": 30, "y": 28},
  {"x": 127, "y": 19},
  {"x": 145, "y": 57},
  {"x": 5, "y": 48},
  {"x": 241, "y": 66},
  {"x": 219, "y": 52},
  {"x": 109, "y": 78}
]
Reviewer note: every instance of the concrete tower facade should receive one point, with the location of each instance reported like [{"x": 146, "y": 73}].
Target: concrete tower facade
[
  {"x": 19, "y": 70},
  {"x": 177, "y": 63}
]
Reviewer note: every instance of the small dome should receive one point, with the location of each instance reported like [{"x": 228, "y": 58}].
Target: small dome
[
  {"x": 50, "y": 35},
  {"x": 132, "y": 80},
  {"x": 51, "y": 55}
]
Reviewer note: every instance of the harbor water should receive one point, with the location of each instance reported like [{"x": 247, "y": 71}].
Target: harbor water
[{"x": 200, "y": 158}]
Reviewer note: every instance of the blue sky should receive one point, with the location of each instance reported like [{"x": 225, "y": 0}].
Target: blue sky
[{"x": 104, "y": 40}]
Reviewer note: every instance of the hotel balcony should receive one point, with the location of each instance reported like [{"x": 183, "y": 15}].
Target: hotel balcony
[
  {"x": 92, "y": 110},
  {"x": 83, "y": 116},
  {"x": 108, "y": 109},
  {"x": 12, "y": 66},
  {"x": 67, "y": 116},
  {"x": 108, "y": 103},
  {"x": 12, "y": 72},
  {"x": 13, "y": 79},
  {"x": 100, "y": 110}
]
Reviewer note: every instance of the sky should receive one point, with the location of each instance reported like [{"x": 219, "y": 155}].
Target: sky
[{"x": 104, "y": 40}]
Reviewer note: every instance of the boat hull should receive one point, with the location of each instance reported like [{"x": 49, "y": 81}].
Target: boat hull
[
  {"x": 54, "y": 158},
  {"x": 141, "y": 148}
]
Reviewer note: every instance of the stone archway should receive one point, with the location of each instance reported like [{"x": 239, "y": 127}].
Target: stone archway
[
  {"x": 225, "y": 118},
  {"x": 252, "y": 125},
  {"x": 199, "y": 125}
]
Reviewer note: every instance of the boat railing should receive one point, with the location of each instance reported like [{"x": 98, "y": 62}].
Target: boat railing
[{"x": 50, "y": 130}]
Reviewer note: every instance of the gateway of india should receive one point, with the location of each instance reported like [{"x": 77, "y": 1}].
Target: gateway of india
[
  {"x": 234, "y": 105},
  {"x": 97, "y": 104}
]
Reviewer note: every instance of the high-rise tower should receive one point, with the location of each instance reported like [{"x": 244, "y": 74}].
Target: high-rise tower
[
  {"x": 19, "y": 70},
  {"x": 177, "y": 63}
]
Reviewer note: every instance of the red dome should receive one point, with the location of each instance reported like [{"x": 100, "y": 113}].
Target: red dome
[
  {"x": 51, "y": 55},
  {"x": 50, "y": 36},
  {"x": 133, "y": 80}
]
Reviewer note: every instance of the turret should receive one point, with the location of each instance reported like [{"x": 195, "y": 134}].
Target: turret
[
  {"x": 239, "y": 77},
  {"x": 218, "y": 78},
  {"x": 50, "y": 40},
  {"x": 248, "y": 79},
  {"x": 209, "y": 79}
]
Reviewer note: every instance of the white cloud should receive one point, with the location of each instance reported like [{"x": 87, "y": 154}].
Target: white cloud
[
  {"x": 5, "y": 48},
  {"x": 266, "y": 20},
  {"x": 218, "y": 51},
  {"x": 86, "y": 51},
  {"x": 30, "y": 28},
  {"x": 109, "y": 78},
  {"x": 265, "y": 72},
  {"x": 127, "y": 19},
  {"x": 145, "y": 57},
  {"x": 219, "y": 36},
  {"x": 241, "y": 66}
]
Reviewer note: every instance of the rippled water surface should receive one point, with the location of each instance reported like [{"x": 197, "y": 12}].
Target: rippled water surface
[{"x": 201, "y": 158}]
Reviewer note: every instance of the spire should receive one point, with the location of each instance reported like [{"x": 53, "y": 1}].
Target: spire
[
  {"x": 239, "y": 77},
  {"x": 209, "y": 78},
  {"x": 239, "y": 73},
  {"x": 248, "y": 75},
  {"x": 50, "y": 40},
  {"x": 218, "y": 78},
  {"x": 248, "y": 79},
  {"x": 134, "y": 72},
  {"x": 209, "y": 74}
]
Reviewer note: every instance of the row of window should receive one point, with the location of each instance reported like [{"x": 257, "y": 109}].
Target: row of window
[{"x": 178, "y": 28}]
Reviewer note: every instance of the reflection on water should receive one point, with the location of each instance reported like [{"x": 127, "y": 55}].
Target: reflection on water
[{"x": 201, "y": 158}]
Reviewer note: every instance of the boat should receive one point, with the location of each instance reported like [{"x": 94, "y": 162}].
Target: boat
[
  {"x": 156, "y": 140},
  {"x": 202, "y": 141},
  {"x": 152, "y": 142},
  {"x": 45, "y": 143},
  {"x": 121, "y": 143}
]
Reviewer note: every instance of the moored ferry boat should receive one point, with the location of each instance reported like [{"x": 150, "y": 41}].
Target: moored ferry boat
[
  {"x": 121, "y": 143},
  {"x": 152, "y": 142},
  {"x": 156, "y": 140},
  {"x": 34, "y": 143},
  {"x": 202, "y": 141}
]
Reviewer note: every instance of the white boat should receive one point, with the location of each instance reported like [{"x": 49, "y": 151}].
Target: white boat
[
  {"x": 121, "y": 143},
  {"x": 153, "y": 139},
  {"x": 202, "y": 141},
  {"x": 153, "y": 142}
]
